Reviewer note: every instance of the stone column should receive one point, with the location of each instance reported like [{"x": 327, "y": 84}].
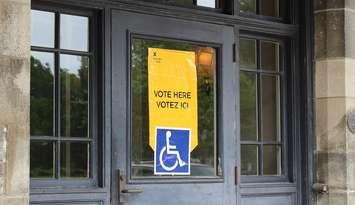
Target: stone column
[
  {"x": 335, "y": 98},
  {"x": 14, "y": 101}
]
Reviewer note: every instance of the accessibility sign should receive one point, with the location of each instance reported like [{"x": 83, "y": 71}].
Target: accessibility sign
[
  {"x": 172, "y": 92},
  {"x": 172, "y": 154}
]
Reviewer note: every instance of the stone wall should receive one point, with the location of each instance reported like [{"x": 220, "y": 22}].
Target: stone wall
[
  {"x": 14, "y": 101},
  {"x": 335, "y": 98}
]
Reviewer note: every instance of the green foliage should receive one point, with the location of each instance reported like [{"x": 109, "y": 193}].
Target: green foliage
[
  {"x": 141, "y": 151},
  {"x": 42, "y": 88},
  {"x": 248, "y": 6},
  {"x": 74, "y": 114},
  {"x": 248, "y": 106},
  {"x": 74, "y": 100}
]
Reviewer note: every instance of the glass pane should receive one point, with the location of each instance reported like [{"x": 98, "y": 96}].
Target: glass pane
[
  {"x": 74, "y": 159},
  {"x": 248, "y": 6},
  {"x": 269, "y": 8},
  {"x": 207, "y": 3},
  {"x": 42, "y": 159},
  {"x": 42, "y": 27},
  {"x": 74, "y": 85},
  {"x": 42, "y": 88},
  {"x": 188, "y": 3},
  {"x": 248, "y": 53},
  {"x": 74, "y": 32},
  {"x": 270, "y": 108},
  {"x": 203, "y": 157},
  {"x": 248, "y": 106},
  {"x": 269, "y": 56},
  {"x": 249, "y": 158},
  {"x": 272, "y": 160}
]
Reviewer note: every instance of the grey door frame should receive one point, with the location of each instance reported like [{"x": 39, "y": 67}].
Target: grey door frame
[
  {"x": 301, "y": 28},
  {"x": 216, "y": 191}
]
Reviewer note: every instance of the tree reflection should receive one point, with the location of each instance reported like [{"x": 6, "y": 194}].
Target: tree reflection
[
  {"x": 74, "y": 100},
  {"x": 247, "y": 6},
  {"x": 141, "y": 152},
  {"x": 42, "y": 80},
  {"x": 74, "y": 95}
]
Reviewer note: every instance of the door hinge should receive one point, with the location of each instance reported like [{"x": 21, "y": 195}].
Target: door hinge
[
  {"x": 234, "y": 52},
  {"x": 237, "y": 175}
]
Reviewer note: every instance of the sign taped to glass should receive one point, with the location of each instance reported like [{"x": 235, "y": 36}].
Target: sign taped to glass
[{"x": 172, "y": 88}]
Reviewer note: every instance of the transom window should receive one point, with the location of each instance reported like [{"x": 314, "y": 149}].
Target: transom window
[
  {"x": 217, "y": 5},
  {"x": 261, "y": 78},
  {"x": 62, "y": 113},
  {"x": 271, "y": 8}
]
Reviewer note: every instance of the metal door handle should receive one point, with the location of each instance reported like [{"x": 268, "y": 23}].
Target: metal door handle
[
  {"x": 131, "y": 191},
  {"x": 123, "y": 193}
]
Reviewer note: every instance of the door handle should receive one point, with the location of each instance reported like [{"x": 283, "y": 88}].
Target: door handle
[
  {"x": 131, "y": 191},
  {"x": 122, "y": 191}
]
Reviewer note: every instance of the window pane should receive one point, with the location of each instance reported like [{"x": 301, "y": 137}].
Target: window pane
[
  {"x": 248, "y": 6},
  {"x": 249, "y": 158},
  {"x": 248, "y": 53},
  {"x": 74, "y": 32},
  {"x": 248, "y": 106},
  {"x": 203, "y": 158},
  {"x": 272, "y": 160},
  {"x": 188, "y": 3},
  {"x": 74, "y": 85},
  {"x": 270, "y": 108},
  {"x": 42, "y": 159},
  {"x": 207, "y": 3},
  {"x": 269, "y": 8},
  {"x": 42, "y": 89},
  {"x": 269, "y": 56},
  {"x": 74, "y": 159},
  {"x": 42, "y": 27}
]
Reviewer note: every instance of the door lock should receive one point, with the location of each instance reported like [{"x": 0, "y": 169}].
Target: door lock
[{"x": 122, "y": 191}]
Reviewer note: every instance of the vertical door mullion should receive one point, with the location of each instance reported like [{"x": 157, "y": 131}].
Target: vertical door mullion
[
  {"x": 57, "y": 85},
  {"x": 259, "y": 106},
  {"x": 258, "y": 6}
]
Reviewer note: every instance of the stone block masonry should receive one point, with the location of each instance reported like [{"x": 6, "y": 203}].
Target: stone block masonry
[
  {"x": 335, "y": 99},
  {"x": 14, "y": 101}
]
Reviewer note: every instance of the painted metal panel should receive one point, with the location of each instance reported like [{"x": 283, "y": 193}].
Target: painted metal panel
[
  {"x": 263, "y": 200},
  {"x": 196, "y": 191}
]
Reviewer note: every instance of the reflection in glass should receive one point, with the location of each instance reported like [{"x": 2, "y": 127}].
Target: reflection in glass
[
  {"x": 247, "y": 53},
  {"x": 207, "y": 3},
  {"x": 42, "y": 159},
  {"x": 269, "y": 8},
  {"x": 269, "y": 56},
  {"x": 203, "y": 158},
  {"x": 74, "y": 85},
  {"x": 272, "y": 160},
  {"x": 249, "y": 160},
  {"x": 42, "y": 89},
  {"x": 74, "y": 32},
  {"x": 42, "y": 27},
  {"x": 248, "y": 106},
  {"x": 74, "y": 159},
  {"x": 188, "y": 3},
  {"x": 248, "y": 6},
  {"x": 270, "y": 108}
]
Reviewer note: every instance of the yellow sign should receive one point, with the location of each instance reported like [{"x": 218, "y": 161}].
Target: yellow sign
[{"x": 172, "y": 91}]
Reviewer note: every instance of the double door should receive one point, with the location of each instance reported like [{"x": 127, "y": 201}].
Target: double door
[{"x": 175, "y": 116}]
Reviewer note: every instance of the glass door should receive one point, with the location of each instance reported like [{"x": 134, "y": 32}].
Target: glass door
[{"x": 173, "y": 111}]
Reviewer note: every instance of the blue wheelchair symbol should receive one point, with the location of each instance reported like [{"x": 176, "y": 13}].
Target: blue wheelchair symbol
[{"x": 172, "y": 151}]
